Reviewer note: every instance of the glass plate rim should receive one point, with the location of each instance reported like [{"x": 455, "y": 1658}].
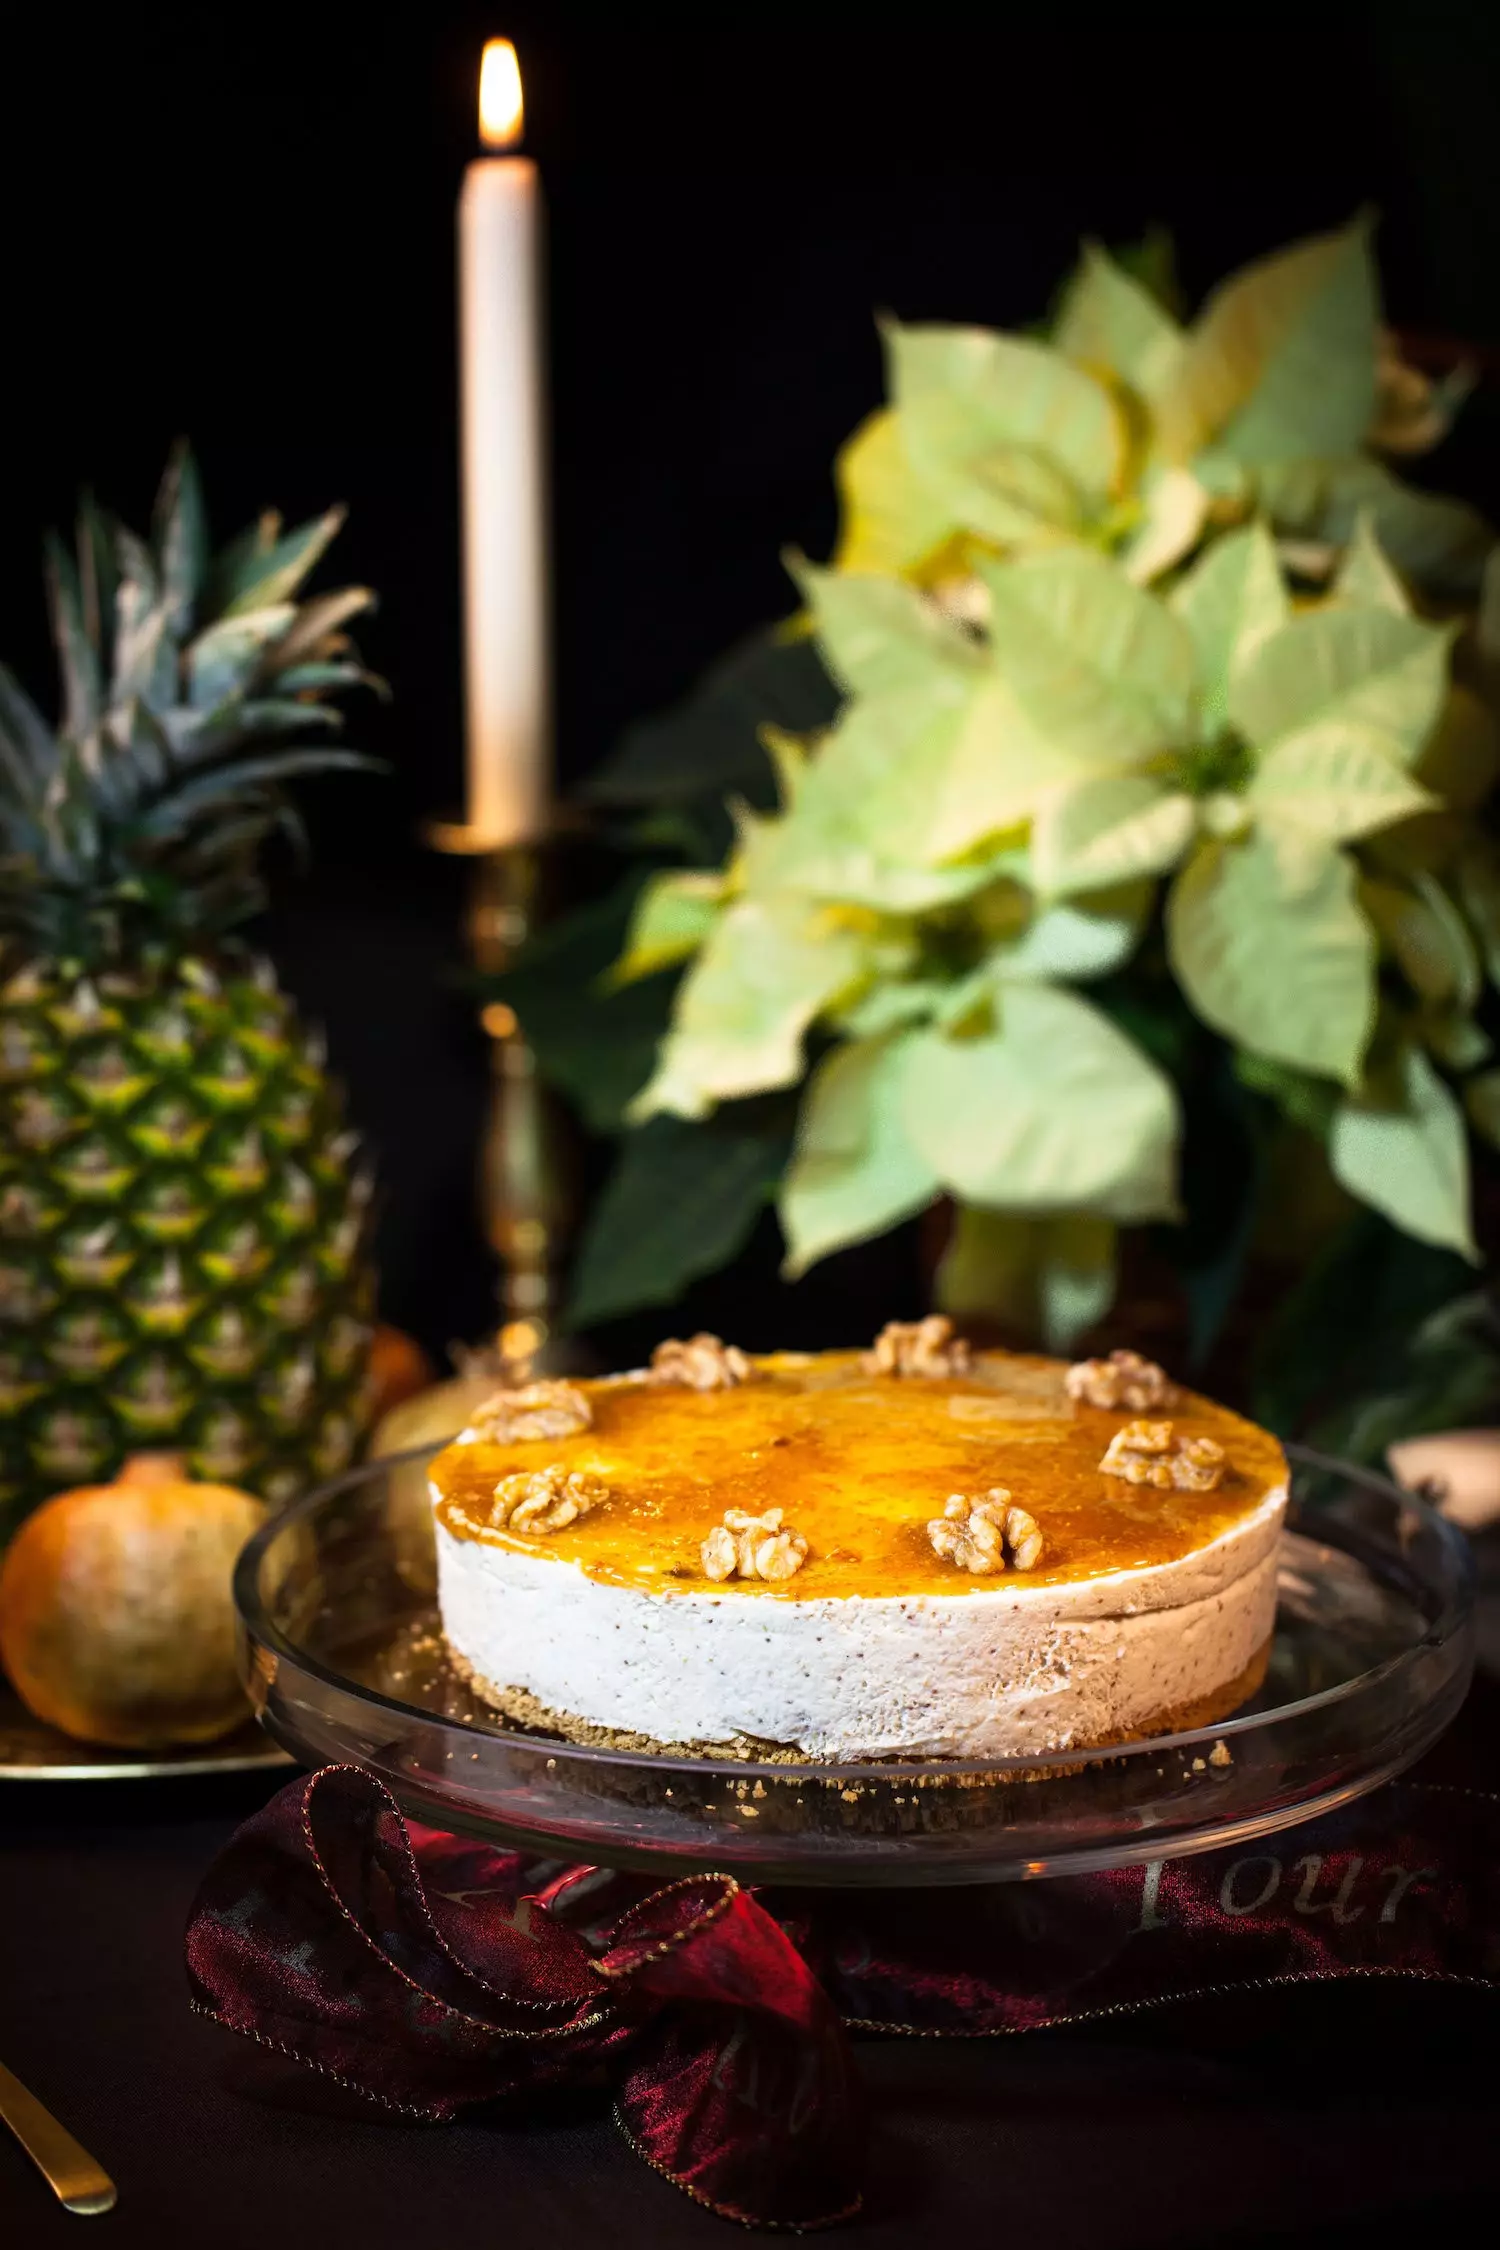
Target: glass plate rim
[
  {"x": 1457, "y": 1608},
  {"x": 267, "y": 1756}
]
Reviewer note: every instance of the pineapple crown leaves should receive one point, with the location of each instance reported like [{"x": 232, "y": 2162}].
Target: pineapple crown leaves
[{"x": 143, "y": 814}]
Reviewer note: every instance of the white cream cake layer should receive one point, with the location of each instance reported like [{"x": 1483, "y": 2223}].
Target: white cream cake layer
[{"x": 993, "y": 1671}]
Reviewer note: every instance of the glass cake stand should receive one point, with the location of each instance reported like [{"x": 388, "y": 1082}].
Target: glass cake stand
[{"x": 1371, "y": 1658}]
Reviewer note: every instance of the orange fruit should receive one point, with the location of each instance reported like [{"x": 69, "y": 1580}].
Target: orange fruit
[
  {"x": 116, "y": 1618},
  {"x": 399, "y": 1368},
  {"x": 435, "y": 1412}
]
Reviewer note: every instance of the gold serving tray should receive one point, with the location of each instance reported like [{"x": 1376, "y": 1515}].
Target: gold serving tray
[{"x": 30, "y": 1750}]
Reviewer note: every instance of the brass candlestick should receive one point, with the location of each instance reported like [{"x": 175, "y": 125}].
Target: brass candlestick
[{"x": 520, "y": 1189}]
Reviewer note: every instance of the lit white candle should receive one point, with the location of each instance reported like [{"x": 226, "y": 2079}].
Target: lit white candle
[{"x": 505, "y": 598}]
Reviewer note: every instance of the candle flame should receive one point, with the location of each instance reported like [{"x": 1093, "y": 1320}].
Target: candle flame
[{"x": 502, "y": 111}]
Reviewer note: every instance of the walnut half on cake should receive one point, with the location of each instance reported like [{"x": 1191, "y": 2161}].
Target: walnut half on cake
[{"x": 944, "y": 1553}]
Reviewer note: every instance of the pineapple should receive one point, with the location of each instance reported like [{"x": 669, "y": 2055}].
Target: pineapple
[{"x": 183, "y": 1218}]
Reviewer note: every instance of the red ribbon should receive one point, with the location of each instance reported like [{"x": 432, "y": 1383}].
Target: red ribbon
[
  {"x": 421, "y": 1970},
  {"x": 430, "y": 1973}
]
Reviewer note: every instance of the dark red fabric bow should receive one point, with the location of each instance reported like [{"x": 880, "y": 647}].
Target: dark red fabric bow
[
  {"x": 430, "y": 1973},
  {"x": 417, "y": 1968}
]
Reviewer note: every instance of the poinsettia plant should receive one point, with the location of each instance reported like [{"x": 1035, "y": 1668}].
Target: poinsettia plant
[{"x": 1111, "y": 819}]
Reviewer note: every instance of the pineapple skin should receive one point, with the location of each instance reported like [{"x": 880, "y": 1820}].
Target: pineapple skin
[{"x": 183, "y": 1237}]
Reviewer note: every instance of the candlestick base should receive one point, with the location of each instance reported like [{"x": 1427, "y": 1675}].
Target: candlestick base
[{"x": 522, "y": 1190}]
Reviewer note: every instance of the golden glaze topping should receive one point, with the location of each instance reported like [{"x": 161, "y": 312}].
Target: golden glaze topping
[{"x": 860, "y": 1464}]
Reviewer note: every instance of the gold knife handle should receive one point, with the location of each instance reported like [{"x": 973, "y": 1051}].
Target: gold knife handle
[{"x": 75, "y": 2179}]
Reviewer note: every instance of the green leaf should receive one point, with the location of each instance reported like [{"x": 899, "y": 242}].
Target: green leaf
[
  {"x": 1015, "y": 440},
  {"x": 1460, "y": 760},
  {"x": 1337, "y": 781},
  {"x": 892, "y": 1007},
  {"x": 325, "y": 678},
  {"x": 853, "y": 1173},
  {"x": 1107, "y": 320},
  {"x": 223, "y": 661},
  {"x": 1365, "y": 579},
  {"x": 789, "y": 756},
  {"x": 1366, "y": 665},
  {"x": 712, "y": 742},
  {"x": 1174, "y": 509},
  {"x": 1306, "y": 1102},
  {"x": 1223, "y": 1191},
  {"x": 180, "y": 537},
  {"x": 1437, "y": 542},
  {"x": 1090, "y": 675},
  {"x": 868, "y": 811},
  {"x": 1048, "y": 1279},
  {"x": 1482, "y": 1101},
  {"x": 1410, "y": 1163},
  {"x": 1466, "y": 975},
  {"x": 989, "y": 1270},
  {"x": 27, "y": 743},
  {"x": 1454, "y": 1038},
  {"x": 1079, "y": 1276},
  {"x": 988, "y": 763},
  {"x": 674, "y": 914},
  {"x": 1152, "y": 261},
  {"x": 1231, "y": 601},
  {"x": 145, "y": 658},
  {"x": 1109, "y": 828},
  {"x": 1053, "y": 1111},
  {"x": 891, "y": 520},
  {"x": 1280, "y": 365},
  {"x": 198, "y": 740},
  {"x": 83, "y": 692},
  {"x": 265, "y": 576},
  {"x": 967, "y": 1007},
  {"x": 96, "y": 545},
  {"x": 1447, "y": 1378},
  {"x": 1427, "y": 936},
  {"x": 244, "y": 777},
  {"x": 1270, "y": 947},
  {"x": 1104, "y": 665},
  {"x": 1478, "y": 878},
  {"x": 682, "y": 1201},
  {"x": 1071, "y": 943},
  {"x": 879, "y": 634},
  {"x": 243, "y": 554},
  {"x": 598, "y": 1047},
  {"x": 1347, "y": 1323},
  {"x": 766, "y": 970},
  {"x": 316, "y": 620},
  {"x": 134, "y": 561}
]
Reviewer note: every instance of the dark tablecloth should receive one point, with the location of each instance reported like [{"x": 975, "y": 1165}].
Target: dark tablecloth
[{"x": 1326, "y": 2115}]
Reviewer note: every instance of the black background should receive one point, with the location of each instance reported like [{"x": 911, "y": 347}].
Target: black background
[{"x": 238, "y": 223}]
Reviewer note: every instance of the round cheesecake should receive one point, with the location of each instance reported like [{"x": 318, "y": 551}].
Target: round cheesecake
[{"x": 935, "y": 1565}]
